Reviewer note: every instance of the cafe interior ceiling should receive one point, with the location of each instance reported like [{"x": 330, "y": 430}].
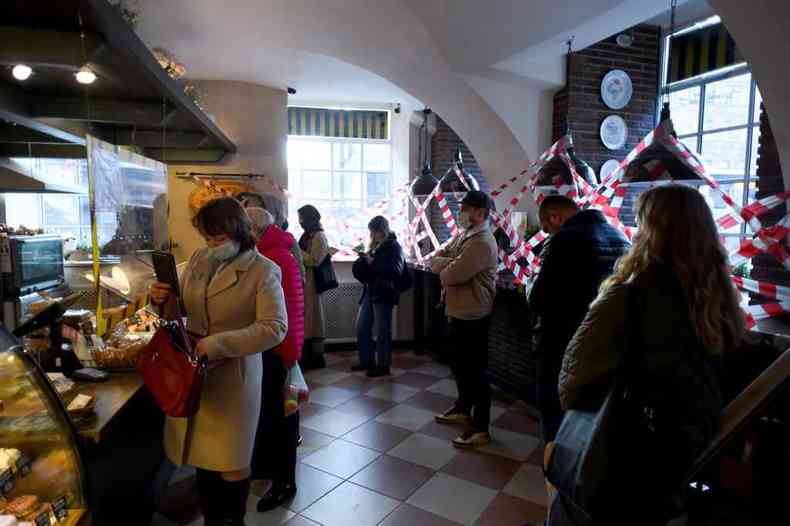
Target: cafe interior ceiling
[{"x": 133, "y": 101}]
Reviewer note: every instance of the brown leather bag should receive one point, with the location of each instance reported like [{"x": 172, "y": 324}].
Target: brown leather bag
[{"x": 172, "y": 370}]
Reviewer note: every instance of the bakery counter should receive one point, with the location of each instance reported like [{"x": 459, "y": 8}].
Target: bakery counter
[
  {"x": 112, "y": 397},
  {"x": 123, "y": 451}
]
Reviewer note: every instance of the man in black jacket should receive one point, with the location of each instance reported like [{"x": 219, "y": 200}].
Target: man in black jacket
[{"x": 577, "y": 257}]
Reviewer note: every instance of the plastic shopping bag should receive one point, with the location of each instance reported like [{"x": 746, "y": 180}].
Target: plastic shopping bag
[{"x": 296, "y": 390}]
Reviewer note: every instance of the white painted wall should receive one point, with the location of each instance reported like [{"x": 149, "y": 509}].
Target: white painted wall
[{"x": 255, "y": 118}]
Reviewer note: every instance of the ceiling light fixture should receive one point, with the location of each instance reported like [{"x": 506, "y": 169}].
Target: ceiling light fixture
[
  {"x": 85, "y": 75},
  {"x": 22, "y": 71}
]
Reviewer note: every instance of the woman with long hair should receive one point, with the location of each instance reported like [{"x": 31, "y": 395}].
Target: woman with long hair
[
  {"x": 234, "y": 302},
  {"x": 315, "y": 248},
  {"x": 378, "y": 269},
  {"x": 670, "y": 304}
]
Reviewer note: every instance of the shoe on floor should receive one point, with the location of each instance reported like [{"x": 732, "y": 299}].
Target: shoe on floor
[
  {"x": 276, "y": 497},
  {"x": 378, "y": 372},
  {"x": 454, "y": 417},
  {"x": 472, "y": 438},
  {"x": 260, "y": 488},
  {"x": 358, "y": 367}
]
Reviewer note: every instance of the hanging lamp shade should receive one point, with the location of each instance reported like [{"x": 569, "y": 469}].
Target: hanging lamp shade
[
  {"x": 582, "y": 168},
  {"x": 456, "y": 179},
  {"x": 425, "y": 183},
  {"x": 658, "y": 163}
]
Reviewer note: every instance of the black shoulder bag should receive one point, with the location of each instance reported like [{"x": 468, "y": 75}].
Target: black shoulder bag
[
  {"x": 586, "y": 464},
  {"x": 325, "y": 278}
]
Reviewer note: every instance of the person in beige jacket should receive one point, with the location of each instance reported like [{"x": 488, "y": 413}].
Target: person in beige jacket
[
  {"x": 467, "y": 269},
  {"x": 315, "y": 248},
  {"x": 234, "y": 299}
]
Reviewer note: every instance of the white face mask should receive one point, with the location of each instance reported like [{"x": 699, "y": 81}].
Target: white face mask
[
  {"x": 224, "y": 252},
  {"x": 465, "y": 220}
]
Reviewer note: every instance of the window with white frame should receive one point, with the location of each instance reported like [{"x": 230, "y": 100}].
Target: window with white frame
[
  {"x": 346, "y": 179},
  {"x": 65, "y": 214},
  {"x": 717, "y": 114}
]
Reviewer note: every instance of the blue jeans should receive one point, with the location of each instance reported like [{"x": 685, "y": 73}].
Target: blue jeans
[{"x": 378, "y": 315}]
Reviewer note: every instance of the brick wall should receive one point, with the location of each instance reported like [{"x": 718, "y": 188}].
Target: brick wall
[
  {"x": 580, "y": 103},
  {"x": 444, "y": 145},
  {"x": 769, "y": 182}
]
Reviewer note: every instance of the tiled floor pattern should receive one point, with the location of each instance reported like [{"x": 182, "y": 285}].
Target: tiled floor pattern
[{"x": 372, "y": 455}]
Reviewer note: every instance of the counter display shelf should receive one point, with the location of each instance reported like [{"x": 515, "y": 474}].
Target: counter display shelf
[{"x": 42, "y": 479}]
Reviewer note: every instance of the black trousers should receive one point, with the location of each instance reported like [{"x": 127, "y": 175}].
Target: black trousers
[
  {"x": 274, "y": 455},
  {"x": 469, "y": 365},
  {"x": 548, "y": 398}
]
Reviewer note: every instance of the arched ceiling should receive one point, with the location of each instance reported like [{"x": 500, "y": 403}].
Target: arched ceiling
[{"x": 452, "y": 55}]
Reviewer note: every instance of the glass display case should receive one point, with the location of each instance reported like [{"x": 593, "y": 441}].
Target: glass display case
[{"x": 41, "y": 472}]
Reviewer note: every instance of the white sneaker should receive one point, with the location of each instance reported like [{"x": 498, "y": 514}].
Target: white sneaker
[{"x": 471, "y": 439}]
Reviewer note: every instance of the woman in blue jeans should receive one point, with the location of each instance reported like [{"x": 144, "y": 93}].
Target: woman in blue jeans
[{"x": 378, "y": 269}]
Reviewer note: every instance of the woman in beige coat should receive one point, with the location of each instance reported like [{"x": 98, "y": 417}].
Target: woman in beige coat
[
  {"x": 234, "y": 299},
  {"x": 315, "y": 248}
]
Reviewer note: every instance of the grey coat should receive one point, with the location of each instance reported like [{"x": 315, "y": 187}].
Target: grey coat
[{"x": 241, "y": 310}]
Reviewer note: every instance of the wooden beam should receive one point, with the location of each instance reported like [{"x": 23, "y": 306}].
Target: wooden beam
[
  {"x": 96, "y": 110},
  {"x": 12, "y": 133},
  {"x": 59, "y": 151},
  {"x": 153, "y": 139},
  {"x": 185, "y": 156},
  {"x": 14, "y": 108},
  {"x": 45, "y": 48}
]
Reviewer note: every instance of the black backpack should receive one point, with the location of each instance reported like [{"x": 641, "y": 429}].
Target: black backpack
[{"x": 405, "y": 280}]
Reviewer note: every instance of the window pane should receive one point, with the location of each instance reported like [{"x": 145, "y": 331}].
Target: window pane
[
  {"x": 690, "y": 142},
  {"x": 755, "y": 151},
  {"x": 727, "y": 102},
  {"x": 377, "y": 157},
  {"x": 317, "y": 184},
  {"x": 61, "y": 210},
  {"x": 348, "y": 185},
  {"x": 685, "y": 110},
  {"x": 724, "y": 153},
  {"x": 23, "y": 210},
  {"x": 347, "y": 156},
  {"x": 296, "y": 150},
  {"x": 717, "y": 205},
  {"x": 315, "y": 155},
  {"x": 758, "y": 99},
  {"x": 731, "y": 243},
  {"x": 378, "y": 187}
]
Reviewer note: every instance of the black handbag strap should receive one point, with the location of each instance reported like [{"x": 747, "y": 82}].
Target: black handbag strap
[{"x": 634, "y": 342}]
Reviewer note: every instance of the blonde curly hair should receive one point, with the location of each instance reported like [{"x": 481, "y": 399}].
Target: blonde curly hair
[{"x": 676, "y": 227}]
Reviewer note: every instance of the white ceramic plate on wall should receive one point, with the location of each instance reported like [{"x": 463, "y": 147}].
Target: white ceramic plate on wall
[
  {"x": 614, "y": 132},
  {"x": 617, "y": 89}
]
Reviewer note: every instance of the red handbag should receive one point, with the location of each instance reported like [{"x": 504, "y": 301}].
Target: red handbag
[{"x": 172, "y": 370}]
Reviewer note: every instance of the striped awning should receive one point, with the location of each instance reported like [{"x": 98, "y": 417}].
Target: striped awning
[
  {"x": 351, "y": 124},
  {"x": 701, "y": 51}
]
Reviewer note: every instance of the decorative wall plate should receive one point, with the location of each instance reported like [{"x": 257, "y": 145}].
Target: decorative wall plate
[
  {"x": 614, "y": 132},
  {"x": 608, "y": 168},
  {"x": 616, "y": 89}
]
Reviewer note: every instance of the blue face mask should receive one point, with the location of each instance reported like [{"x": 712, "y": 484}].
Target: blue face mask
[{"x": 226, "y": 251}]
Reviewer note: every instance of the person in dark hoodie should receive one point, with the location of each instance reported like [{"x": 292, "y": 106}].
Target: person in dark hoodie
[{"x": 378, "y": 269}]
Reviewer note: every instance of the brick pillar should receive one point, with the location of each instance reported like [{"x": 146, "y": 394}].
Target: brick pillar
[{"x": 769, "y": 182}]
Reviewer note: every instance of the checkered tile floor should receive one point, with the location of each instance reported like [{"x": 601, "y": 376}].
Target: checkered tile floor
[{"x": 372, "y": 455}]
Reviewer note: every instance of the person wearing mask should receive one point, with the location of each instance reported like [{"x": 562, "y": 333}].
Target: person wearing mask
[
  {"x": 673, "y": 295},
  {"x": 467, "y": 270},
  {"x": 253, "y": 200},
  {"x": 378, "y": 269},
  {"x": 315, "y": 248},
  {"x": 234, "y": 300},
  {"x": 274, "y": 456},
  {"x": 579, "y": 254}
]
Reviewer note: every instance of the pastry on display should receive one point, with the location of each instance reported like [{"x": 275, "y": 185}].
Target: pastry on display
[
  {"x": 9, "y": 458},
  {"x": 81, "y": 405},
  {"x": 23, "y": 507}
]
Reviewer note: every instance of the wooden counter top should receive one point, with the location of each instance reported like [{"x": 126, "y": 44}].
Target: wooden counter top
[{"x": 111, "y": 397}]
